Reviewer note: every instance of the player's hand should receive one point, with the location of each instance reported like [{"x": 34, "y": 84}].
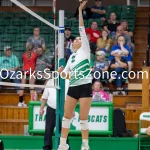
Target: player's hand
[
  {"x": 103, "y": 11},
  {"x": 82, "y": 4},
  {"x": 117, "y": 59},
  {"x": 41, "y": 111},
  {"x": 121, "y": 43},
  {"x": 60, "y": 69},
  {"x": 148, "y": 131}
]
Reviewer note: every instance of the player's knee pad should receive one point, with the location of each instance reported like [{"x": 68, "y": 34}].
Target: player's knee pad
[
  {"x": 84, "y": 124},
  {"x": 66, "y": 122}
]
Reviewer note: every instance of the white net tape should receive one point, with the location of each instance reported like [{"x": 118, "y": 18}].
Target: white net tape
[
  {"x": 34, "y": 14},
  {"x": 28, "y": 85}
]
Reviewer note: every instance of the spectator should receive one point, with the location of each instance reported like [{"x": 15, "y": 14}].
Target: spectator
[
  {"x": 124, "y": 24},
  {"x": 128, "y": 42},
  {"x": 43, "y": 62},
  {"x": 104, "y": 43},
  {"x": 111, "y": 24},
  {"x": 99, "y": 12},
  {"x": 100, "y": 66},
  {"x": 29, "y": 64},
  {"x": 125, "y": 49},
  {"x": 98, "y": 93},
  {"x": 9, "y": 64},
  {"x": 36, "y": 40},
  {"x": 119, "y": 65},
  {"x": 93, "y": 32},
  {"x": 68, "y": 38},
  {"x": 86, "y": 12}
]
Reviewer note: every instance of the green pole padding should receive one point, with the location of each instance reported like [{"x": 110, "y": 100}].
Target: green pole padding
[{"x": 60, "y": 103}]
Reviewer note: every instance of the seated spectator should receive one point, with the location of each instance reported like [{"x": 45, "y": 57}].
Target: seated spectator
[
  {"x": 86, "y": 12},
  {"x": 43, "y": 61},
  {"x": 128, "y": 42},
  {"x": 119, "y": 65},
  {"x": 111, "y": 24},
  {"x": 29, "y": 64},
  {"x": 104, "y": 43},
  {"x": 99, "y": 12},
  {"x": 68, "y": 38},
  {"x": 124, "y": 24},
  {"x": 43, "y": 65},
  {"x": 100, "y": 66},
  {"x": 9, "y": 64},
  {"x": 125, "y": 49},
  {"x": 93, "y": 32},
  {"x": 36, "y": 40},
  {"x": 98, "y": 93}
]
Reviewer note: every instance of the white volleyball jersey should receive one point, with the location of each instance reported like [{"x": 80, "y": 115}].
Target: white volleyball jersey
[{"x": 78, "y": 65}]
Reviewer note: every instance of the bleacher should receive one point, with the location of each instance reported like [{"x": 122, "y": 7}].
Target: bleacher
[{"x": 15, "y": 28}]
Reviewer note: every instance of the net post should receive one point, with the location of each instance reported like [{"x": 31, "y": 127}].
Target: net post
[
  {"x": 61, "y": 62},
  {"x": 61, "y": 35}
]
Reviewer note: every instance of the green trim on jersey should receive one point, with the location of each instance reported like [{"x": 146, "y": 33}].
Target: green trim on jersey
[
  {"x": 82, "y": 71},
  {"x": 80, "y": 64}
]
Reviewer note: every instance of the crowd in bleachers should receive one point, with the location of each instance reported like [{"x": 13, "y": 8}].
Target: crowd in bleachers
[{"x": 110, "y": 33}]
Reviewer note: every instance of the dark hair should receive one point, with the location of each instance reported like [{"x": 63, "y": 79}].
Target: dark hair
[
  {"x": 124, "y": 21},
  {"x": 96, "y": 22},
  {"x": 40, "y": 46},
  {"x": 99, "y": 83},
  {"x": 30, "y": 46},
  {"x": 36, "y": 27}
]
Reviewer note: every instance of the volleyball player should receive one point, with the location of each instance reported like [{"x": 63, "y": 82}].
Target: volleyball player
[{"x": 80, "y": 88}]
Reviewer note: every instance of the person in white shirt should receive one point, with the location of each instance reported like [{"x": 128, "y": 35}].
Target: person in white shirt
[
  {"x": 80, "y": 85},
  {"x": 49, "y": 98}
]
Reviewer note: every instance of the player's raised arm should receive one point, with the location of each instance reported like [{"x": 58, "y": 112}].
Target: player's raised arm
[
  {"x": 85, "y": 42},
  {"x": 81, "y": 22}
]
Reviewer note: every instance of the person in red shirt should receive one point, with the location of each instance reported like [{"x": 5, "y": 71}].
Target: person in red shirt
[
  {"x": 93, "y": 32},
  {"x": 29, "y": 64}
]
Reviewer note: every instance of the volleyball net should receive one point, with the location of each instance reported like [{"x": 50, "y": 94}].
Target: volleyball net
[{"x": 31, "y": 46}]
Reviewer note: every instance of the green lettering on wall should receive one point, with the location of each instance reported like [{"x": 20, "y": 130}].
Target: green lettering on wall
[
  {"x": 100, "y": 118},
  {"x": 105, "y": 119},
  {"x": 97, "y": 118},
  {"x": 36, "y": 117},
  {"x": 40, "y": 118},
  {"x": 92, "y": 118}
]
